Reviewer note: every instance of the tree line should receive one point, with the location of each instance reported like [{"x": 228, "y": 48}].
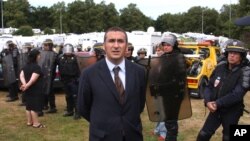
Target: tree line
[{"x": 88, "y": 16}]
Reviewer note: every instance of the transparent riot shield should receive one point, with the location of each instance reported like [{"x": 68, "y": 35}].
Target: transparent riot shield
[
  {"x": 47, "y": 64},
  {"x": 22, "y": 61},
  {"x": 9, "y": 75},
  {"x": 85, "y": 59},
  {"x": 167, "y": 94}
]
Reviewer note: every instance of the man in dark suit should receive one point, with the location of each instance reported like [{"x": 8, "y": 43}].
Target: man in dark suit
[{"x": 113, "y": 113}]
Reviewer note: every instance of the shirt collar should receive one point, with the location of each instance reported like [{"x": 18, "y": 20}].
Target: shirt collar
[{"x": 111, "y": 65}]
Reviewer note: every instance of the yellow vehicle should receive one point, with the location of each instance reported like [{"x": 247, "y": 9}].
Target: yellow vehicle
[{"x": 201, "y": 61}]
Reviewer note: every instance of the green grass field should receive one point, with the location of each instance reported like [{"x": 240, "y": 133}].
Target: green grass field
[{"x": 13, "y": 124}]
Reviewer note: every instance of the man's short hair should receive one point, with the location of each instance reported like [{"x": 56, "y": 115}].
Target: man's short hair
[{"x": 116, "y": 29}]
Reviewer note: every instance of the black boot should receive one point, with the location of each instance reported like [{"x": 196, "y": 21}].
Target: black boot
[
  {"x": 76, "y": 116},
  {"x": 52, "y": 110},
  {"x": 172, "y": 130},
  {"x": 68, "y": 113},
  {"x": 203, "y": 136}
]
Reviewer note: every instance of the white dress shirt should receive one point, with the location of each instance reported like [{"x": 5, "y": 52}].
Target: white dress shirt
[{"x": 122, "y": 71}]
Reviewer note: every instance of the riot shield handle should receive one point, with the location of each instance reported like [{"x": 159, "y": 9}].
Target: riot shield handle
[{"x": 148, "y": 67}]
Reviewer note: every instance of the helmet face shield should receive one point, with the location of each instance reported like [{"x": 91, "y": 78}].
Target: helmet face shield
[{"x": 68, "y": 49}]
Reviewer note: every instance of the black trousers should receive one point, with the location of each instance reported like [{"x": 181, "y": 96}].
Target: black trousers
[
  {"x": 172, "y": 130},
  {"x": 50, "y": 99},
  {"x": 214, "y": 120},
  {"x": 13, "y": 90},
  {"x": 71, "y": 89}
]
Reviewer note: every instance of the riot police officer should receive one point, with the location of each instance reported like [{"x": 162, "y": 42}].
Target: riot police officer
[
  {"x": 224, "y": 93},
  {"x": 9, "y": 57},
  {"x": 99, "y": 53},
  {"x": 79, "y": 48},
  {"x": 129, "y": 52},
  {"x": 141, "y": 54},
  {"x": 170, "y": 46},
  {"x": 69, "y": 73},
  {"x": 48, "y": 64}
]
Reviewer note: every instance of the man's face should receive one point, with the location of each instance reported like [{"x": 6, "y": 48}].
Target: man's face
[
  {"x": 234, "y": 58},
  {"x": 46, "y": 47},
  {"x": 11, "y": 46},
  {"x": 129, "y": 52},
  {"x": 167, "y": 47},
  {"x": 159, "y": 52},
  {"x": 142, "y": 55},
  {"x": 115, "y": 46}
]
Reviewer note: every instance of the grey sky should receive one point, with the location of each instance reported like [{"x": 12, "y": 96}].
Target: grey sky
[{"x": 152, "y": 8}]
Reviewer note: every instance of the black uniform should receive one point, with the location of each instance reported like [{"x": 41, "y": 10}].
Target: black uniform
[
  {"x": 48, "y": 65},
  {"x": 225, "y": 88},
  {"x": 172, "y": 124},
  {"x": 131, "y": 58},
  {"x": 69, "y": 72},
  {"x": 13, "y": 86}
]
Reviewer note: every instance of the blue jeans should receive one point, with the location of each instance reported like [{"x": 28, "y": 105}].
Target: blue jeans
[{"x": 160, "y": 129}]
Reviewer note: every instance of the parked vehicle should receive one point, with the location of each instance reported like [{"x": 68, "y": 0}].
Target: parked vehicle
[{"x": 201, "y": 61}]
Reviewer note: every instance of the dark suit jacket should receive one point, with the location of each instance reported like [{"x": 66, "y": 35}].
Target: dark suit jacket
[{"x": 98, "y": 102}]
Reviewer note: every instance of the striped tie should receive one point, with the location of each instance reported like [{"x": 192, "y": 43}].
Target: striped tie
[{"x": 118, "y": 84}]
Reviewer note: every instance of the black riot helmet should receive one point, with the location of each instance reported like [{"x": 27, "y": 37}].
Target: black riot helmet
[{"x": 235, "y": 46}]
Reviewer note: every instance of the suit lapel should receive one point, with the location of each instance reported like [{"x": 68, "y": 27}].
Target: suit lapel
[
  {"x": 129, "y": 79},
  {"x": 107, "y": 79}
]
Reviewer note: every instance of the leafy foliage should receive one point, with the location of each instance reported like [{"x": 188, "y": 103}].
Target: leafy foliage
[
  {"x": 24, "y": 31},
  {"x": 88, "y": 16},
  {"x": 48, "y": 31}
]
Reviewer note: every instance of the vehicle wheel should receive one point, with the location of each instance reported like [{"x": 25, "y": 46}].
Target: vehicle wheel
[{"x": 202, "y": 86}]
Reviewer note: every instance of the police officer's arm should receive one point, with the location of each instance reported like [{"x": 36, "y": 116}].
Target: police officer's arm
[
  {"x": 246, "y": 77},
  {"x": 235, "y": 96},
  {"x": 54, "y": 67},
  {"x": 209, "y": 95},
  {"x": 84, "y": 97}
]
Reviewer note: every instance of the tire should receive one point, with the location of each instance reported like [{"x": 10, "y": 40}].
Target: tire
[{"x": 201, "y": 88}]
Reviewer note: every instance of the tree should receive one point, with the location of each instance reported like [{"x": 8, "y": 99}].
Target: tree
[
  {"x": 242, "y": 33},
  {"x": 132, "y": 18},
  {"x": 48, "y": 31},
  {"x": 41, "y": 17},
  {"x": 110, "y": 15},
  {"x": 77, "y": 17},
  {"x": 16, "y": 13},
  {"x": 24, "y": 31},
  {"x": 210, "y": 17},
  {"x": 59, "y": 16},
  {"x": 169, "y": 22}
]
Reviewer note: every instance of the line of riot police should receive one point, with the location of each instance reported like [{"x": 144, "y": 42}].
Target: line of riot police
[{"x": 68, "y": 63}]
